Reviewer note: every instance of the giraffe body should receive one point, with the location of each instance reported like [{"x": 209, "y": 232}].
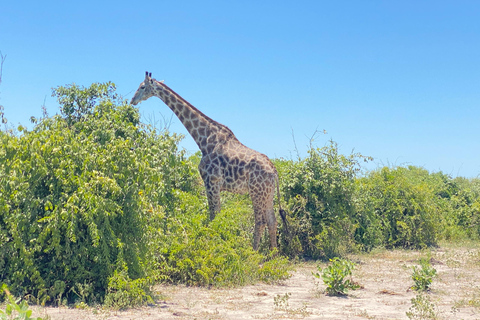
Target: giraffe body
[{"x": 226, "y": 164}]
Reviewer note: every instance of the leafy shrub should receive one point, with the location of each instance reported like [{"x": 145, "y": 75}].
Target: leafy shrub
[
  {"x": 124, "y": 292},
  {"x": 401, "y": 206},
  {"x": 83, "y": 196},
  {"x": 462, "y": 209},
  {"x": 320, "y": 192},
  {"x": 423, "y": 276},
  {"x": 422, "y": 308},
  {"x": 335, "y": 276}
]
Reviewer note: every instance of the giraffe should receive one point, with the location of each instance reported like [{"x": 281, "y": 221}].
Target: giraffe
[{"x": 226, "y": 164}]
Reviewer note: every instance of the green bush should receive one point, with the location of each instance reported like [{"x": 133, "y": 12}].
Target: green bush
[
  {"x": 320, "y": 191},
  {"x": 84, "y": 195},
  {"x": 401, "y": 206},
  {"x": 462, "y": 209},
  {"x": 412, "y": 208}
]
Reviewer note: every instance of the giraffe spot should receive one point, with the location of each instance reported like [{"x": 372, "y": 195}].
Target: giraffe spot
[
  {"x": 189, "y": 115},
  {"x": 194, "y": 134},
  {"x": 222, "y": 160}
]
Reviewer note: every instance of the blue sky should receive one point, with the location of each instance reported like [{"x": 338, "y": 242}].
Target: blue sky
[{"x": 395, "y": 80}]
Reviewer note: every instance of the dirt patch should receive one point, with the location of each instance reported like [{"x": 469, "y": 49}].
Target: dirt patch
[{"x": 385, "y": 277}]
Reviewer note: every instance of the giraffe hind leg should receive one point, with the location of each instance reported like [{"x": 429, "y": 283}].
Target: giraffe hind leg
[
  {"x": 272, "y": 227},
  {"x": 264, "y": 217},
  {"x": 259, "y": 228}
]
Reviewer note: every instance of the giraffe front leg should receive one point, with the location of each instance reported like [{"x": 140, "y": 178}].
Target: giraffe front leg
[
  {"x": 214, "y": 204},
  {"x": 211, "y": 180}
]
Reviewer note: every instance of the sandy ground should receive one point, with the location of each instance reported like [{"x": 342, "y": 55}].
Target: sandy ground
[{"x": 385, "y": 277}]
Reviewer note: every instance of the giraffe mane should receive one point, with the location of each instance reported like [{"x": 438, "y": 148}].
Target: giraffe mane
[{"x": 178, "y": 97}]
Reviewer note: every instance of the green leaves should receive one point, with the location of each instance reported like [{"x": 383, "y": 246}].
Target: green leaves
[
  {"x": 423, "y": 276},
  {"x": 337, "y": 276},
  {"x": 78, "y": 103}
]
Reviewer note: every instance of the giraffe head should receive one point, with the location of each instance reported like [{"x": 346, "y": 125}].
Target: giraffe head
[{"x": 145, "y": 90}]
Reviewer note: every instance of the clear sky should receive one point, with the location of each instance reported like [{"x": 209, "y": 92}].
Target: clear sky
[{"x": 395, "y": 80}]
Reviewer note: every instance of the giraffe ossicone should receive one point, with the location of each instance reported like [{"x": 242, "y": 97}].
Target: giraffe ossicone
[{"x": 226, "y": 164}]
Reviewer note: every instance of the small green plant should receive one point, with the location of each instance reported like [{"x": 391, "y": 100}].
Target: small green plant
[
  {"x": 281, "y": 301},
  {"x": 423, "y": 276},
  {"x": 422, "y": 308},
  {"x": 57, "y": 291},
  {"x": 281, "y": 304},
  {"x": 83, "y": 291},
  {"x": 335, "y": 276},
  {"x": 124, "y": 292},
  {"x": 18, "y": 307}
]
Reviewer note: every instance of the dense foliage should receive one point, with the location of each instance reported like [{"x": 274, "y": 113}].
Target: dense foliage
[
  {"x": 320, "y": 192},
  {"x": 333, "y": 209}
]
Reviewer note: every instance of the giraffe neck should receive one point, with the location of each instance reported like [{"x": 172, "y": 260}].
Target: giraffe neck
[{"x": 205, "y": 131}]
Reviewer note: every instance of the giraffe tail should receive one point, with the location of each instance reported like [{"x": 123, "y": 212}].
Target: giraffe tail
[{"x": 280, "y": 210}]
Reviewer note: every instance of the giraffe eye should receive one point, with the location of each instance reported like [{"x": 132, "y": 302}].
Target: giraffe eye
[{"x": 142, "y": 87}]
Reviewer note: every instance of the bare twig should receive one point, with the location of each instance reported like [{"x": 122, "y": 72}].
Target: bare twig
[
  {"x": 3, "y": 120},
  {"x": 295, "y": 145},
  {"x": 2, "y": 60}
]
